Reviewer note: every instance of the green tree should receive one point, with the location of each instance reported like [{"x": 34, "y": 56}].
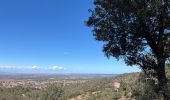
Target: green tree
[{"x": 137, "y": 31}]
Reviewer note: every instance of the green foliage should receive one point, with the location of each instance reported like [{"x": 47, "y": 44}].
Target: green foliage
[
  {"x": 15, "y": 93},
  {"x": 99, "y": 89},
  {"x": 143, "y": 91},
  {"x": 15, "y": 90},
  {"x": 129, "y": 27},
  {"x": 147, "y": 89}
]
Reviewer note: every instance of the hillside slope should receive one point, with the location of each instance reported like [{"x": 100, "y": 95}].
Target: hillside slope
[{"x": 132, "y": 86}]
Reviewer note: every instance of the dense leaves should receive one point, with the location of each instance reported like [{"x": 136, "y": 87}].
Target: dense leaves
[
  {"x": 136, "y": 30},
  {"x": 128, "y": 26}
]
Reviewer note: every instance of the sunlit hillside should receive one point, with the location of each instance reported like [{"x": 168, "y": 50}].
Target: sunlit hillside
[{"x": 132, "y": 87}]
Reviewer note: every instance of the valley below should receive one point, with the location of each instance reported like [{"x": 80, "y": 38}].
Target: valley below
[{"x": 129, "y": 86}]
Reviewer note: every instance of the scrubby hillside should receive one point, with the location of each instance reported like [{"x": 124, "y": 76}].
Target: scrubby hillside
[
  {"x": 99, "y": 89},
  {"x": 133, "y": 86}
]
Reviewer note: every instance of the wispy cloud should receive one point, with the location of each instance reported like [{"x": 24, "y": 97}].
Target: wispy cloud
[{"x": 54, "y": 68}]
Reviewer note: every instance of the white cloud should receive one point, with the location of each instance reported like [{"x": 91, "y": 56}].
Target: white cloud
[
  {"x": 35, "y": 67},
  {"x": 57, "y": 68},
  {"x": 31, "y": 68}
]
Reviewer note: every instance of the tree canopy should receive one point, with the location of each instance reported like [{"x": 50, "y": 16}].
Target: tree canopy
[{"x": 137, "y": 31}]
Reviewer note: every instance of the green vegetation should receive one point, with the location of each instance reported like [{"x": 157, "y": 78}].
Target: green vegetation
[
  {"x": 135, "y": 31},
  {"x": 133, "y": 86}
]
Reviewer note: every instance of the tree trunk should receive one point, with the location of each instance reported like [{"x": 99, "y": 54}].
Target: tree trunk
[{"x": 162, "y": 80}]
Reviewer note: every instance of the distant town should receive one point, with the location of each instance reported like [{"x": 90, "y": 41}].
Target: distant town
[{"x": 39, "y": 81}]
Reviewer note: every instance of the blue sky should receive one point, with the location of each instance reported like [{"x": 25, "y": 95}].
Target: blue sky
[{"x": 38, "y": 35}]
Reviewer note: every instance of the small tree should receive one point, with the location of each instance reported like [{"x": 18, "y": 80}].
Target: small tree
[{"x": 137, "y": 31}]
